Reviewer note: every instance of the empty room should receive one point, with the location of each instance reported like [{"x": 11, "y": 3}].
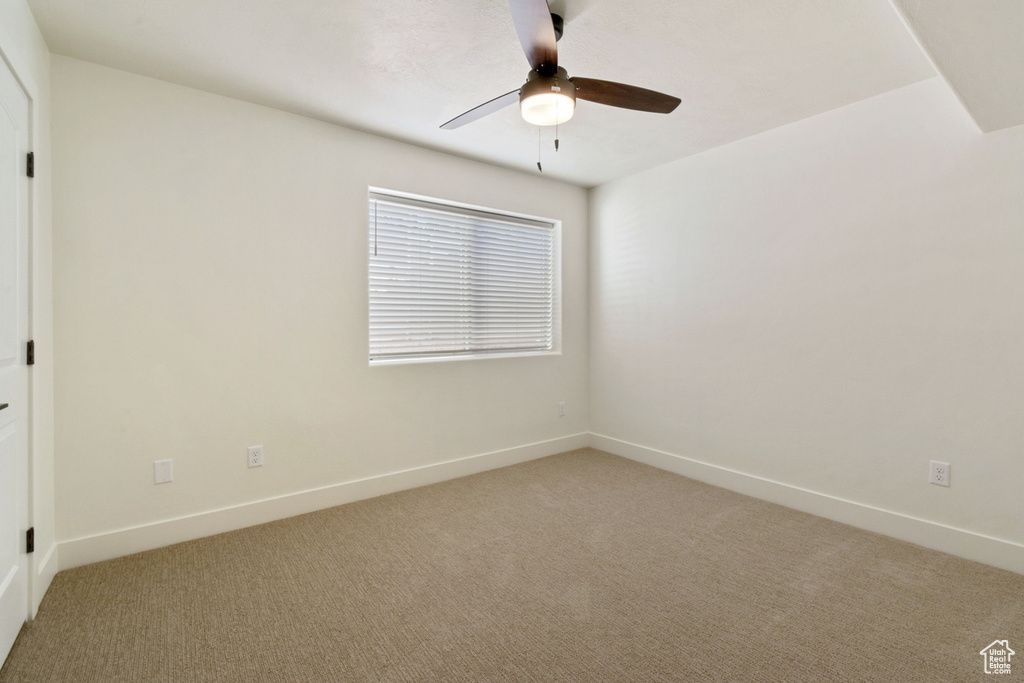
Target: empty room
[{"x": 511, "y": 340}]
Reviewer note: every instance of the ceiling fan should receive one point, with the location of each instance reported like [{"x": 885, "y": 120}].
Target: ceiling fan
[{"x": 549, "y": 95}]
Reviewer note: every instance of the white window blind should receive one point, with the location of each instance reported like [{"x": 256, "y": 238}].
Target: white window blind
[{"x": 449, "y": 281}]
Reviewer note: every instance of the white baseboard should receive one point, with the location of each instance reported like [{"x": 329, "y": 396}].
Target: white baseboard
[
  {"x": 46, "y": 569},
  {"x": 105, "y": 546},
  {"x": 960, "y": 542}
]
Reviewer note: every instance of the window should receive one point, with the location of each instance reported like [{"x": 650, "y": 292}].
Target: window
[{"x": 448, "y": 281}]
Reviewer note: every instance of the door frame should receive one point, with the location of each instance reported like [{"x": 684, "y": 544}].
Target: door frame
[{"x": 30, "y": 91}]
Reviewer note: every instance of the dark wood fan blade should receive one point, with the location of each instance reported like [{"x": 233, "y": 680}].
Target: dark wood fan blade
[
  {"x": 536, "y": 32},
  {"x": 624, "y": 96},
  {"x": 483, "y": 110}
]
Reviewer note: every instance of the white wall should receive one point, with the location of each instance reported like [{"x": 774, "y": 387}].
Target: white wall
[
  {"x": 808, "y": 315},
  {"x": 827, "y": 306},
  {"x": 22, "y": 46},
  {"x": 210, "y": 294}
]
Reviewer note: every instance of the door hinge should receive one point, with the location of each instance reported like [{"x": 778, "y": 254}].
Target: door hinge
[
  {"x": 30, "y": 165},
  {"x": 30, "y": 353},
  {"x": 30, "y": 540}
]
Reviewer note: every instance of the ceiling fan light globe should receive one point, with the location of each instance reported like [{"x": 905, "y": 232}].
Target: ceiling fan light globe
[{"x": 547, "y": 108}]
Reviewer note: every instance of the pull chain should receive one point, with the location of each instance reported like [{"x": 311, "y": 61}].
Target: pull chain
[
  {"x": 539, "y": 167},
  {"x": 556, "y": 123}
]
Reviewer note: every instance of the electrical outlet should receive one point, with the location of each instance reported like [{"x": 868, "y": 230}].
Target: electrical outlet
[
  {"x": 163, "y": 471},
  {"x": 938, "y": 473},
  {"x": 255, "y": 456},
  {"x": 561, "y": 409}
]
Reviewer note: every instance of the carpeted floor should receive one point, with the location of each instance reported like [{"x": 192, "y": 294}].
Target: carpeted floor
[{"x": 578, "y": 567}]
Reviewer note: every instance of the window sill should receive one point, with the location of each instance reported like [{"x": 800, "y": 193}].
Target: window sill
[{"x": 462, "y": 357}]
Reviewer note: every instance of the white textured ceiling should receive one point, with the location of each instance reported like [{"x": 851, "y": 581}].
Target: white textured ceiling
[
  {"x": 978, "y": 45},
  {"x": 403, "y": 67}
]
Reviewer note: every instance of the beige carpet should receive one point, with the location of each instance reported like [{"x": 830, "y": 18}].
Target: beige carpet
[{"x": 578, "y": 567}]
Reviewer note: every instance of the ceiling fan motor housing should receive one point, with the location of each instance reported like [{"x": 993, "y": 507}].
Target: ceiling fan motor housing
[
  {"x": 559, "y": 83},
  {"x": 558, "y": 24},
  {"x": 547, "y": 100}
]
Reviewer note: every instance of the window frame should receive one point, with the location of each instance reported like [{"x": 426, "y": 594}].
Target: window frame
[{"x": 468, "y": 210}]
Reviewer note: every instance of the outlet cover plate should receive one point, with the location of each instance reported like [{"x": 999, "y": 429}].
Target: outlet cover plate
[
  {"x": 938, "y": 473},
  {"x": 255, "y": 456},
  {"x": 163, "y": 471}
]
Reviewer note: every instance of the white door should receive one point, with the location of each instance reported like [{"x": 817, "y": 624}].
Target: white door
[{"x": 13, "y": 371}]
